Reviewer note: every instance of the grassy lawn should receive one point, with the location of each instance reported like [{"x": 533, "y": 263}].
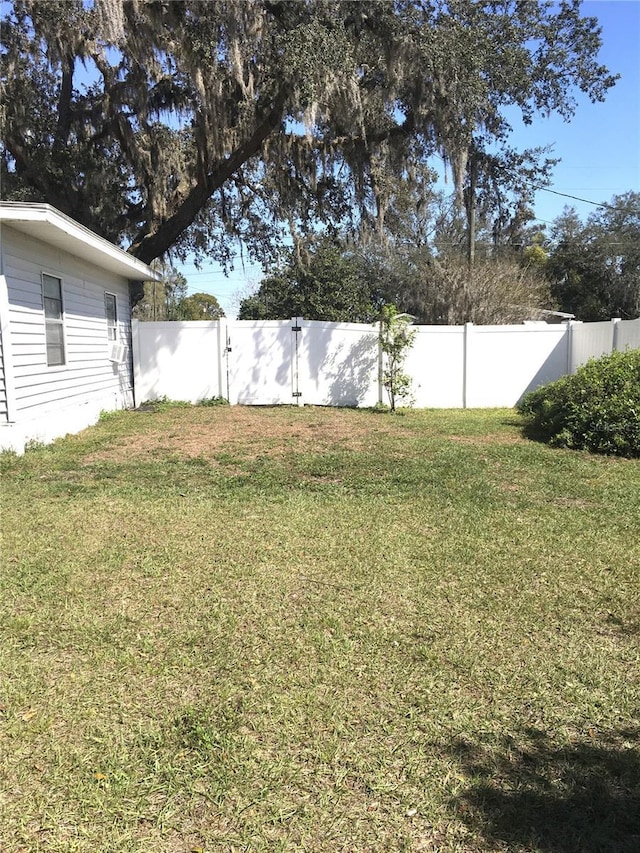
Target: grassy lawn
[{"x": 234, "y": 629}]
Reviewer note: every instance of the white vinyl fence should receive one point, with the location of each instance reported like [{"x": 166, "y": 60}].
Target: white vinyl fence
[{"x": 339, "y": 364}]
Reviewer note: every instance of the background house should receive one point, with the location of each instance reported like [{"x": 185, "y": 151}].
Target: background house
[{"x": 65, "y": 324}]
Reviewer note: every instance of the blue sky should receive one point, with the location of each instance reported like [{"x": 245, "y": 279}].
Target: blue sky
[{"x": 599, "y": 148}]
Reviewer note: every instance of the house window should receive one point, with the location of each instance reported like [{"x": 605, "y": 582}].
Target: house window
[
  {"x": 111, "y": 311},
  {"x": 52, "y": 299}
]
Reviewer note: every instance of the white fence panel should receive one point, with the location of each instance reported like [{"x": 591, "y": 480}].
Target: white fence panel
[
  {"x": 628, "y": 335},
  {"x": 338, "y": 364},
  {"x": 590, "y": 340},
  {"x": 504, "y": 362},
  {"x": 260, "y": 362},
  {"x": 436, "y": 363},
  {"x": 178, "y": 360}
]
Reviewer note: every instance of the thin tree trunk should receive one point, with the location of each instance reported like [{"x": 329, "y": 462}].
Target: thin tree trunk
[{"x": 471, "y": 234}]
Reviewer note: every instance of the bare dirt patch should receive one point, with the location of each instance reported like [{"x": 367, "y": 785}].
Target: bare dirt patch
[{"x": 188, "y": 433}]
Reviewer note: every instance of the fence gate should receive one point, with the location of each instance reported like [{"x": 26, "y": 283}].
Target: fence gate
[{"x": 262, "y": 362}]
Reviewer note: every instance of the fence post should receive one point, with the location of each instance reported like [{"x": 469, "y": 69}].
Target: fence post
[
  {"x": 221, "y": 354},
  {"x": 296, "y": 328},
  {"x": 569, "y": 326},
  {"x": 615, "y": 322},
  {"x": 468, "y": 331},
  {"x": 135, "y": 356},
  {"x": 380, "y": 365}
]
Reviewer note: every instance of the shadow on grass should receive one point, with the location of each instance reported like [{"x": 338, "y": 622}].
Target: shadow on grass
[
  {"x": 527, "y": 428},
  {"x": 531, "y": 794},
  {"x": 617, "y": 625}
]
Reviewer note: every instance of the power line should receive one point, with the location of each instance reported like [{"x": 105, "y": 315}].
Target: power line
[{"x": 588, "y": 201}]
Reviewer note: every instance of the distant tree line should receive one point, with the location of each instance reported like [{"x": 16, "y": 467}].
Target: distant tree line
[
  {"x": 590, "y": 269},
  {"x": 594, "y": 266},
  {"x": 168, "y": 299}
]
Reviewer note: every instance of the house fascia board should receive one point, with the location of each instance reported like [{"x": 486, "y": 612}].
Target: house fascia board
[{"x": 57, "y": 229}]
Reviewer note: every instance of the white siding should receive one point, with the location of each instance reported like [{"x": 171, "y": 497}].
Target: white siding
[
  {"x": 88, "y": 376},
  {"x": 7, "y": 397},
  {"x": 3, "y": 388}
]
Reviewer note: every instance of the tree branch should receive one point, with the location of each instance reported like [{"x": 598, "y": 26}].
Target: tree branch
[
  {"x": 63, "y": 125},
  {"x": 148, "y": 246},
  {"x": 30, "y": 168}
]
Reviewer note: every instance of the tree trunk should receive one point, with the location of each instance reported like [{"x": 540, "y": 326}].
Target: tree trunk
[{"x": 471, "y": 234}]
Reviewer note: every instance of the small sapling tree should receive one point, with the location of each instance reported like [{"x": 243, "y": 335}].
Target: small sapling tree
[{"x": 396, "y": 339}]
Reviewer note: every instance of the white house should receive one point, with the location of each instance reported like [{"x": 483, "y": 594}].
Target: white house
[{"x": 65, "y": 325}]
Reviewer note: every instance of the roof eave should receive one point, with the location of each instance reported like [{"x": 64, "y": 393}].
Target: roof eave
[{"x": 77, "y": 239}]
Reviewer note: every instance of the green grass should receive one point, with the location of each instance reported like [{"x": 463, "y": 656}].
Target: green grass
[{"x": 229, "y": 629}]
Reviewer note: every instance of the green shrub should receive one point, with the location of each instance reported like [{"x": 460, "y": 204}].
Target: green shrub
[
  {"x": 596, "y": 409},
  {"x": 213, "y": 401},
  {"x": 163, "y": 404}
]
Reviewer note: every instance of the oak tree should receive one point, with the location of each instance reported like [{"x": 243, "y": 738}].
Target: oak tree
[{"x": 186, "y": 125}]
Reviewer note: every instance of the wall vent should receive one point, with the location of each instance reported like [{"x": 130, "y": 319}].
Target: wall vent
[{"x": 117, "y": 353}]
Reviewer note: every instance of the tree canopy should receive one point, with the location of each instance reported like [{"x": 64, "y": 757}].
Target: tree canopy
[
  {"x": 594, "y": 267},
  {"x": 327, "y": 284},
  {"x": 200, "y": 306},
  {"x": 186, "y": 125}
]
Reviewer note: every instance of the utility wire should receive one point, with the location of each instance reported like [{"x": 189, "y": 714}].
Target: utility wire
[{"x": 588, "y": 201}]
